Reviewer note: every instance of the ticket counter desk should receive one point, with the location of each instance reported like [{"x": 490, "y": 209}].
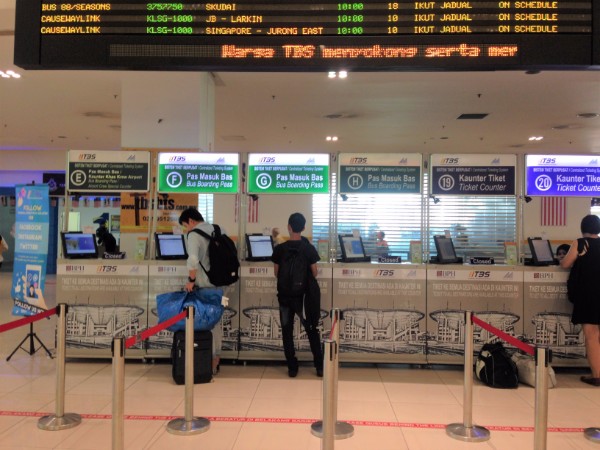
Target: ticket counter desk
[
  {"x": 547, "y": 314},
  {"x": 383, "y": 309},
  {"x": 492, "y": 293},
  {"x": 106, "y": 298},
  {"x": 260, "y": 327}
]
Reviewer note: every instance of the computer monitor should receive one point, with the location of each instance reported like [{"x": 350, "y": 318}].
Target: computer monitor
[
  {"x": 352, "y": 247},
  {"x": 446, "y": 254},
  {"x": 170, "y": 246},
  {"x": 541, "y": 252},
  {"x": 77, "y": 245},
  {"x": 260, "y": 247}
]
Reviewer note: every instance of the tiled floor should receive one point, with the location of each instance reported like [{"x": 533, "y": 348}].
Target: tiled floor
[{"x": 257, "y": 407}]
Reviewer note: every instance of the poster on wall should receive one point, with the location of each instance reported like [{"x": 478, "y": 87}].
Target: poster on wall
[
  {"x": 136, "y": 211},
  {"x": 31, "y": 249},
  {"x": 473, "y": 174},
  {"x": 202, "y": 173},
  {"x": 108, "y": 171},
  {"x": 288, "y": 173},
  {"x": 380, "y": 173},
  {"x": 562, "y": 175}
]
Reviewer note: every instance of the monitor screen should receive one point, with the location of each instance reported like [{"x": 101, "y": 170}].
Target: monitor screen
[
  {"x": 260, "y": 247},
  {"x": 445, "y": 250},
  {"x": 79, "y": 245},
  {"x": 541, "y": 251},
  {"x": 170, "y": 246},
  {"x": 352, "y": 248}
]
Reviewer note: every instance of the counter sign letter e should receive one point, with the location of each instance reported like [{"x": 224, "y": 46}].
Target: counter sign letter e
[{"x": 78, "y": 177}]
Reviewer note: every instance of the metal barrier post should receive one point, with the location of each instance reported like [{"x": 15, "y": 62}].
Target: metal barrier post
[
  {"x": 59, "y": 420},
  {"x": 118, "y": 406},
  {"x": 328, "y": 423},
  {"x": 342, "y": 430},
  {"x": 540, "y": 431},
  {"x": 466, "y": 431},
  {"x": 189, "y": 424}
]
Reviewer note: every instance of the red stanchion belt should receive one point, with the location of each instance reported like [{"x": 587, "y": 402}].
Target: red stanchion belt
[
  {"x": 507, "y": 337},
  {"x": 131, "y": 341},
  {"x": 333, "y": 328},
  {"x": 26, "y": 320}
]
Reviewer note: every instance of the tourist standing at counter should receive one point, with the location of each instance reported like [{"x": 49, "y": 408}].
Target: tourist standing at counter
[
  {"x": 295, "y": 265},
  {"x": 197, "y": 250},
  {"x": 277, "y": 237},
  {"x": 561, "y": 251},
  {"x": 583, "y": 259}
]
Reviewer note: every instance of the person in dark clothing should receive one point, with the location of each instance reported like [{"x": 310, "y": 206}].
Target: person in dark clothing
[
  {"x": 307, "y": 306},
  {"x": 586, "y": 304}
]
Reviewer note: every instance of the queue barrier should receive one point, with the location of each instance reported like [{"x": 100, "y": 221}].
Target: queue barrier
[
  {"x": 330, "y": 428},
  {"x": 467, "y": 431},
  {"x": 182, "y": 426}
]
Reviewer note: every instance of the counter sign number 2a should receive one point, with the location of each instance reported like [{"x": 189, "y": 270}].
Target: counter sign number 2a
[{"x": 78, "y": 177}]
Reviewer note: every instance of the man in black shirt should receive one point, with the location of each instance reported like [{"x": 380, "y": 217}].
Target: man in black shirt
[{"x": 299, "y": 256}]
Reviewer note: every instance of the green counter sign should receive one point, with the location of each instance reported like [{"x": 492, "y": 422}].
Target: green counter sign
[
  {"x": 288, "y": 174},
  {"x": 200, "y": 173}
]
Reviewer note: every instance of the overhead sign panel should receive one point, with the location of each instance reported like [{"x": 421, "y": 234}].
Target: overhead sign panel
[
  {"x": 380, "y": 173},
  {"x": 108, "y": 171},
  {"x": 562, "y": 175},
  {"x": 473, "y": 174},
  {"x": 288, "y": 173},
  {"x": 203, "y": 173}
]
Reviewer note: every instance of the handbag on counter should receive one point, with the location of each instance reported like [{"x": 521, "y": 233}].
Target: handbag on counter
[{"x": 207, "y": 307}]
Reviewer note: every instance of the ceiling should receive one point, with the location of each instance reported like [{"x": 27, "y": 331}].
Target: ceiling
[{"x": 294, "y": 112}]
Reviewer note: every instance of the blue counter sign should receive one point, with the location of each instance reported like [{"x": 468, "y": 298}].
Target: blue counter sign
[{"x": 562, "y": 175}]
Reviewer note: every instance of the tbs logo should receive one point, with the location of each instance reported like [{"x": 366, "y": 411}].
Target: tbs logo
[
  {"x": 106, "y": 269},
  {"x": 87, "y": 157},
  {"x": 547, "y": 161},
  {"x": 267, "y": 159},
  {"x": 384, "y": 273},
  {"x": 450, "y": 161},
  {"x": 479, "y": 274},
  {"x": 173, "y": 159},
  {"x": 358, "y": 160}
]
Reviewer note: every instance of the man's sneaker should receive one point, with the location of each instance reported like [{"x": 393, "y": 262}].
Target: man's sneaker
[
  {"x": 292, "y": 372},
  {"x": 319, "y": 371}
]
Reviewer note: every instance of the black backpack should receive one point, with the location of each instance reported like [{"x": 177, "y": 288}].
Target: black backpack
[
  {"x": 292, "y": 276},
  {"x": 222, "y": 254},
  {"x": 496, "y": 368}
]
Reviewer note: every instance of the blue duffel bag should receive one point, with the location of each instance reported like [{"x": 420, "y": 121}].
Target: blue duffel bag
[{"x": 207, "y": 307}]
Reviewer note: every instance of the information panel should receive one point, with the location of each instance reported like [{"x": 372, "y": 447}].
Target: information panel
[
  {"x": 562, "y": 175},
  {"x": 288, "y": 173},
  {"x": 108, "y": 171},
  {"x": 380, "y": 173},
  {"x": 473, "y": 174},
  {"x": 247, "y": 34},
  {"x": 203, "y": 173}
]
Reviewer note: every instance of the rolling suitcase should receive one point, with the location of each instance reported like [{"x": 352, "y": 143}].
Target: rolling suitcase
[{"x": 202, "y": 357}]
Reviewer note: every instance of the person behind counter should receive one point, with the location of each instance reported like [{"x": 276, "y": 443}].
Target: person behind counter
[
  {"x": 277, "y": 237},
  {"x": 586, "y": 302},
  {"x": 381, "y": 245},
  {"x": 561, "y": 251},
  {"x": 3, "y": 248}
]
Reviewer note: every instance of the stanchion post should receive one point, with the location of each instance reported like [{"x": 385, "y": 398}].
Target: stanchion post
[
  {"x": 342, "y": 430},
  {"x": 59, "y": 420},
  {"x": 118, "y": 394},
  {"x": 189, "y": 424},
  {"x": 466, "y": 431},
  {"x": 328, "y": 424},
  {"x": 540, "y": 431}
]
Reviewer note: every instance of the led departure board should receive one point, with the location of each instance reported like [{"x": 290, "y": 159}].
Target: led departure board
[{"x": 296, "y": 35}]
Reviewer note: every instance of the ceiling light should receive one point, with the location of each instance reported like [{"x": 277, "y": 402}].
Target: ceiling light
[
  {"x": 331, "y": 138},
  {"x": 536, "y": 138},
  {"x": 332, "y": 74},
  {"x": 340, "y": 74},
  {"x": 343, "y": 74}
]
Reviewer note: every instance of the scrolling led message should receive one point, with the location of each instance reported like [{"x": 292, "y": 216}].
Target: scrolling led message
[{"x": 367, "y": 34}]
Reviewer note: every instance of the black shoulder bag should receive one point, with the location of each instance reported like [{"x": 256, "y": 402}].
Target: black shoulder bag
[{"x": 574, "y": 280}]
